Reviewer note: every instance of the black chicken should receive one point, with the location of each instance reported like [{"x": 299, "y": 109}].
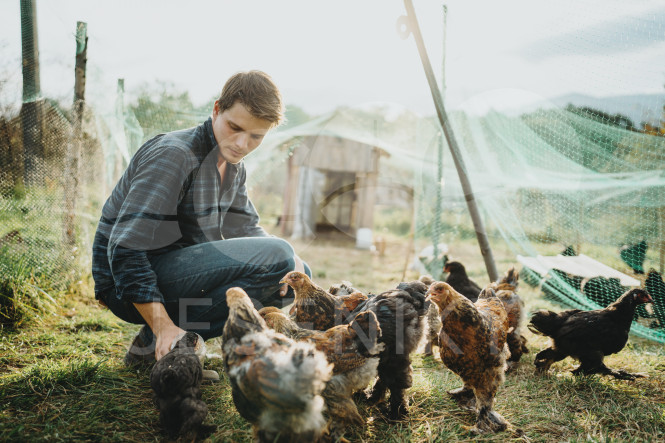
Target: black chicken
[
  {"x": 602, "y": 290},
  {"x": 588, "y": 336},
  {"x": 176, "y": 381},
  {"x": 461, "y": 282},
  {"x": 655, "y": 285},
  {"x": 634, "y": 255},
  {"x": 400, "y": 313}
]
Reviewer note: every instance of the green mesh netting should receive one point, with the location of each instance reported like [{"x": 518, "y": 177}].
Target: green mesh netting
[{"x": 548, "y": 180}]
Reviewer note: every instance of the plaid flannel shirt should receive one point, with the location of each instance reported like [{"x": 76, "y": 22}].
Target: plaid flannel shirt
[{"x": 169, "y": 197}]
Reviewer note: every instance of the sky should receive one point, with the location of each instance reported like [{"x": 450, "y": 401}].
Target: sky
[{"x": 348, "y": 52}]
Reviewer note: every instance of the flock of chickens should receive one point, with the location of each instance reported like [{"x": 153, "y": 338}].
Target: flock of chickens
[{"x": 298, "y": 376}]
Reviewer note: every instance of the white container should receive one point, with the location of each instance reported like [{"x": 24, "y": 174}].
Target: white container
[{"x": 364, "y": 238}]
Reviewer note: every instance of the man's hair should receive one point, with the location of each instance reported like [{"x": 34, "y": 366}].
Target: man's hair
[{"x": 257, "y": 92}]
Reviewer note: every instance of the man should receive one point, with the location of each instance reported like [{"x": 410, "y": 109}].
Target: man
[{"x": 179, "y": 229}]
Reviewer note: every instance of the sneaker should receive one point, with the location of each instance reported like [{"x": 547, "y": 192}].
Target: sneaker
[
  {"x": 142, "y": 350},
  {"x": 210, "y": 376}
]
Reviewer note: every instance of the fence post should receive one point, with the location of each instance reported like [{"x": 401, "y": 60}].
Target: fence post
[
  {"x": 32, "y": 107},
  {"x": 72, "y": 157}
]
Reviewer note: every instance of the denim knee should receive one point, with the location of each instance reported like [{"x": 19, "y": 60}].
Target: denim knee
[{"x": 282, "y": 255}]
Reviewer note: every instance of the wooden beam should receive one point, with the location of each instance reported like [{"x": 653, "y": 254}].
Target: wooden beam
[{"x": 481, "y": 234}]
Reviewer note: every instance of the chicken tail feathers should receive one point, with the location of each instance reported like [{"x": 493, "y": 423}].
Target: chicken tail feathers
[
  {"x": 544, "y": 322},
  {"x": 368, "y": 331}
]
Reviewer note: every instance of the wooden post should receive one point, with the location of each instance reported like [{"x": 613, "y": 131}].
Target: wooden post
[
  {"x": 481, "y": 234},
  {"x": 287, "y": 220},
  {"x": 72, "y": 158},
  {"x": 32, "y": 107}
]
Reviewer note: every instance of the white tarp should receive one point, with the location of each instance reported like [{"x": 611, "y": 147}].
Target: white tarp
[{"x": 580, "y": 265}]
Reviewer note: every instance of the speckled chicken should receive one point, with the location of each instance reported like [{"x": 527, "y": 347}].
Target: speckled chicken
[
  {"x": 433, "y": 318},
  {"x": 276, "y": 382},
  {"x": 353, "y": 350},
  {"x": 400, "y": 313},
  {"x": 176, "y": 384},
  {"x": 506, "y": 290},
  {"x": 473, "y": 345},
  {"x": 460, "y": 281},
  {"x": 350, "y": 296},
  {"x": 314, "y": 307},
  {"x": 588, "y": 336}
]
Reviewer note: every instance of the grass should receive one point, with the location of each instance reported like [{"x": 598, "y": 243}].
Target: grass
[{"x": 62, "y": 379}]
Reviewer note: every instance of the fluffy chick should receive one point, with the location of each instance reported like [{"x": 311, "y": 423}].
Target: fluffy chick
[
  {"x": 473, "y": 345},
  {"x": 400, "y": 313},
  {"x": 276, "y": 382},
  {"x": 176, "y": 381},
  {"x": 588, "y": 336},
  {"x": 506, "y": 290},
  {"x": 353, "y": 350}
]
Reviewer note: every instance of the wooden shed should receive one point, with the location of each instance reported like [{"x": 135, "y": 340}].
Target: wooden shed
[{"x": 331, "y": 186}]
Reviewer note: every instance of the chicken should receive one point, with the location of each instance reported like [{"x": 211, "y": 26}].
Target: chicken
[
  {"x": 506, "y": 291},
  {"x": 655, "y": 285},
  {"x": 473, "y": 345},
  {"x": 433, "y": 317},
  {"x": 350, "y": 296},
  {"x": 588, "y": 336},
  {"x": 353, "y": 350},
  {"x": 276, "y": 382},
  {"x": 345, "y": 287},
  {"x": 315, "y": 308},
  {"x": 461, "y": 282},
  {"x": 176, "y": 384},
  {"x": 401, "y": 314},
  {"x": 602, "y": 290},
  {"x": 634, "y": 255}
]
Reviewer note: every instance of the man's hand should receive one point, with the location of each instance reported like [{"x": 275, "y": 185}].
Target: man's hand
[
  {"x": 300, "y": 267},
  {"x": 165, "y": 338},
  {"x": 161, "y": 325}
]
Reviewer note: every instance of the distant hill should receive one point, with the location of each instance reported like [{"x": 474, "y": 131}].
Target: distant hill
[{"x": 639, "y": 108}]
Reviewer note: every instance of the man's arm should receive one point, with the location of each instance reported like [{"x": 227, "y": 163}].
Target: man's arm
[
  {"x": 162, "y": 326},
  {"x": 242, "y": 220}
]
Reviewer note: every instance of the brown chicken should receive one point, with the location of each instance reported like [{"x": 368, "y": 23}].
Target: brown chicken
[
  {"x": 506, "y": 291},
  {"x": 473, "y": 345},
  {"x": 353, "y": 350},
  {"x": 314, "y": 307},
  {"x": 588, "y": 336},
  {"x": 400, "y": 313},
  {"x": 276, "y": 382},
  {"x": 460, "y": 281}
]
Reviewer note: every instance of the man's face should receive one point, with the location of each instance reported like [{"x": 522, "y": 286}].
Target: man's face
[{"x": 237, "y": 131}]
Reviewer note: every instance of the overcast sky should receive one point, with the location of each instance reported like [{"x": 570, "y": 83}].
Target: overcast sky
[{"x": 347, "y": 52}]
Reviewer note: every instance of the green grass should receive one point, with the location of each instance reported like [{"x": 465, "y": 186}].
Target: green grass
[{"x": 62, "y": 379}]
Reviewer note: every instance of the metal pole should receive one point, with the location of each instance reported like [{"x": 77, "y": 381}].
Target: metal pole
[{"x": 481, "y": 234}]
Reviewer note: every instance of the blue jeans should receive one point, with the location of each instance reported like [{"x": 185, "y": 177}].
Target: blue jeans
[{"x": 194, "y": 281}]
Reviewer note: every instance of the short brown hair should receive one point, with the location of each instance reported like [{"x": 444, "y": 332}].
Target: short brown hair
[{"x": 255, "y": 90}]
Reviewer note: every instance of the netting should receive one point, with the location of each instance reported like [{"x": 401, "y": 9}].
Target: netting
[{"x": 551, "y": 178}]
